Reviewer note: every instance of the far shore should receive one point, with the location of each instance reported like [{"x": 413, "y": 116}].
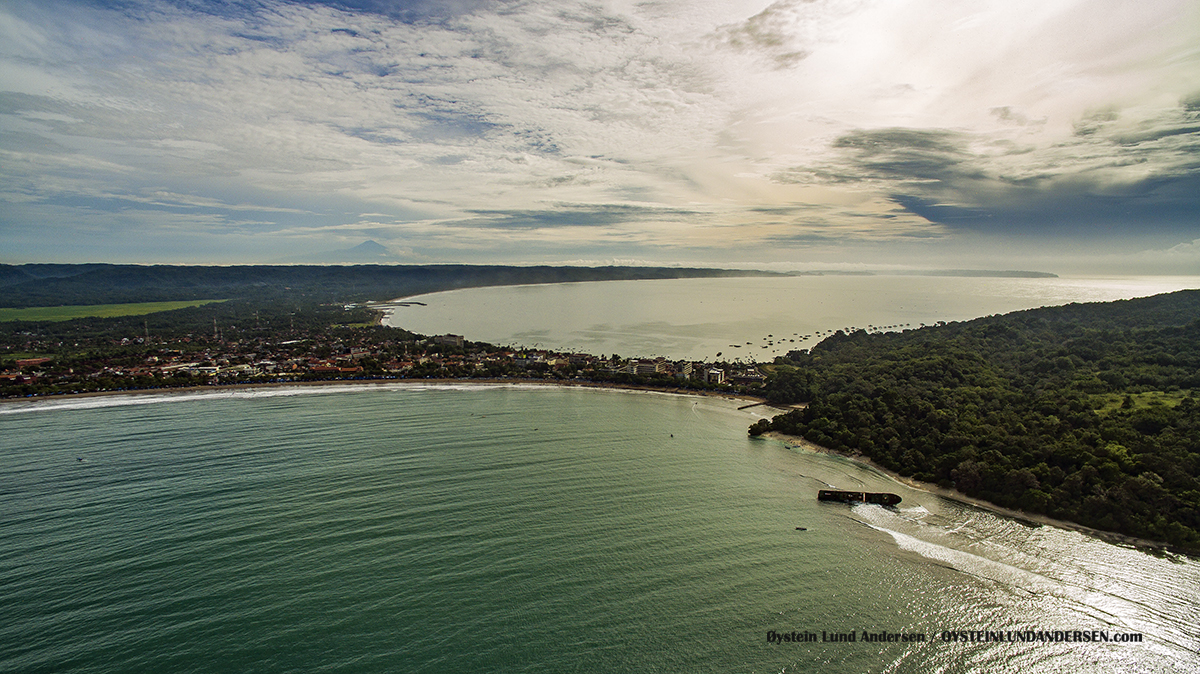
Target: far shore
[{"x": 955, "y": 495}]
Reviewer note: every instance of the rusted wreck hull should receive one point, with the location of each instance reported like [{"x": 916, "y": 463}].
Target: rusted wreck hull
[{"x": 878, "y": 498}]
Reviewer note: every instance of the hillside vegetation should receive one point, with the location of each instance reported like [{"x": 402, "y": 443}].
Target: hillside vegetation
[{"x": 1019, "y": 410}]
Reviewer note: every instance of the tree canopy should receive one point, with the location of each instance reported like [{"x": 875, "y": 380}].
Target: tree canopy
[{"x": 1022, "y": 410}]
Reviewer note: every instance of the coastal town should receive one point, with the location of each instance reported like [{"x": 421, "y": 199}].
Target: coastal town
[{"x": 338, "y": 352}]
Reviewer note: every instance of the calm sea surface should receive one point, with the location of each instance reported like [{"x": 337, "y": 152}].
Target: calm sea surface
[
  {"x": 741, "y": 318},
  {"x": 407, "y": 528}
]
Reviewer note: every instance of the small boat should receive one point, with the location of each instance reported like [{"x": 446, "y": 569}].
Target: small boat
[{"x": 878, "y": 498}]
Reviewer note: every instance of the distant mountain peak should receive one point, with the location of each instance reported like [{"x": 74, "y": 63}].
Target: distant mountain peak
[
  {"x": 370, "y": 247},
  {"x": 367, "y": 252}
]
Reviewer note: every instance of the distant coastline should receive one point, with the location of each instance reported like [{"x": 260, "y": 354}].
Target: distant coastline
[
  {"x": 974, "y": 273},
  {"x": 965, "y": 273}
]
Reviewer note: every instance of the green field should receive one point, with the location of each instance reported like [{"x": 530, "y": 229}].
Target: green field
[
  {"x": 95, "y": 310},
  {"x": 1112, "y": 401}
]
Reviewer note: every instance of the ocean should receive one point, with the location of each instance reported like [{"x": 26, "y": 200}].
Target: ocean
[
  {"x": 488, "y": 528},
  {"x": 748, "y": 319}
]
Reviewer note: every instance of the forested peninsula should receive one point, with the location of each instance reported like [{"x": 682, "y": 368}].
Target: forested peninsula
[
  {"x": 43, "y": 285},
  {"x": 1085, "y": 412}
]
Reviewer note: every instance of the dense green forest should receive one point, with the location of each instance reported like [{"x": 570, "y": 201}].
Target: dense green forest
[
  {"x": 43, "y": 285},
  {"x": 1085, "y": 412}
]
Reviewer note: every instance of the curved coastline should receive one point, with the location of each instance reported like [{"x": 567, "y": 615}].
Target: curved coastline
[
  {"x": 1143, "y": 544},
  {"x": 757, "y": 400}
]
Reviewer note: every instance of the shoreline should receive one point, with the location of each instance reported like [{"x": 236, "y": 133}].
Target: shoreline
[
  {"x": 1112, "y": 537},
  {"x": 757, "y": 400}
]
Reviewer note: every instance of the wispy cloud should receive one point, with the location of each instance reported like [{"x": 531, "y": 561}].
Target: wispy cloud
[
  {"x": 503, "y": 129},
  {"x": 574, "y": 215}
]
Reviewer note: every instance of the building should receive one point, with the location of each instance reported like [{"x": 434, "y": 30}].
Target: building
[
  {"x": 449, "y": 340},
  {"x": 646, "y": 366},
  {"x": 747, "y": 377}
]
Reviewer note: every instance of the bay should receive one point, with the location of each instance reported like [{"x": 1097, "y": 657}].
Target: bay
[
  {"x": 520, "y": 529},
  {"x": 750, "y": 319}
]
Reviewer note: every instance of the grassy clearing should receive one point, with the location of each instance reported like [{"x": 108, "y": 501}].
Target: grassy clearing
[
  {"x": 95, "y": 310},
  {"x": 1111, "y": 401},
  {"x": 21, "y": 355}
]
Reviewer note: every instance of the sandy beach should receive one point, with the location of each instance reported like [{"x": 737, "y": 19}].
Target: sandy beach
[{"x": 755, "y": 400}]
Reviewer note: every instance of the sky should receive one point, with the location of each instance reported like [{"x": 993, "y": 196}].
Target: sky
[{"x": 1047, "y": 135}]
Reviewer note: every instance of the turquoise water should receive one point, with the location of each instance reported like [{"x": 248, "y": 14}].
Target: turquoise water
[
  {"x": 517, "y": 529},
  {"x": 752, "y": 319}
]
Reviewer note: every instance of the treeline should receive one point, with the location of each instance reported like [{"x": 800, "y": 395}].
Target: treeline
[
  {"x": 1011, "y": 409},
  {"x": 37, "y": 285}
]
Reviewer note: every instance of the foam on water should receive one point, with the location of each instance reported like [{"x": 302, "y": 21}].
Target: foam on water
[
  {"x": 143, "y": 398},
  {"x": 967, "y": 562},
  {"x": 1062, "y": 572},
  {"x": 133, "y": 399}
]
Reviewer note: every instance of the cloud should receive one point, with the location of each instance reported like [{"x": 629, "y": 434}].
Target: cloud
[
  {"x": 412, "y": 11},
  {"x": 573, "y": 215},
  {"x": 784, "y": 32},
  {"x": 616, "y": 129},
  {"x": 1141, "y": 176}
]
